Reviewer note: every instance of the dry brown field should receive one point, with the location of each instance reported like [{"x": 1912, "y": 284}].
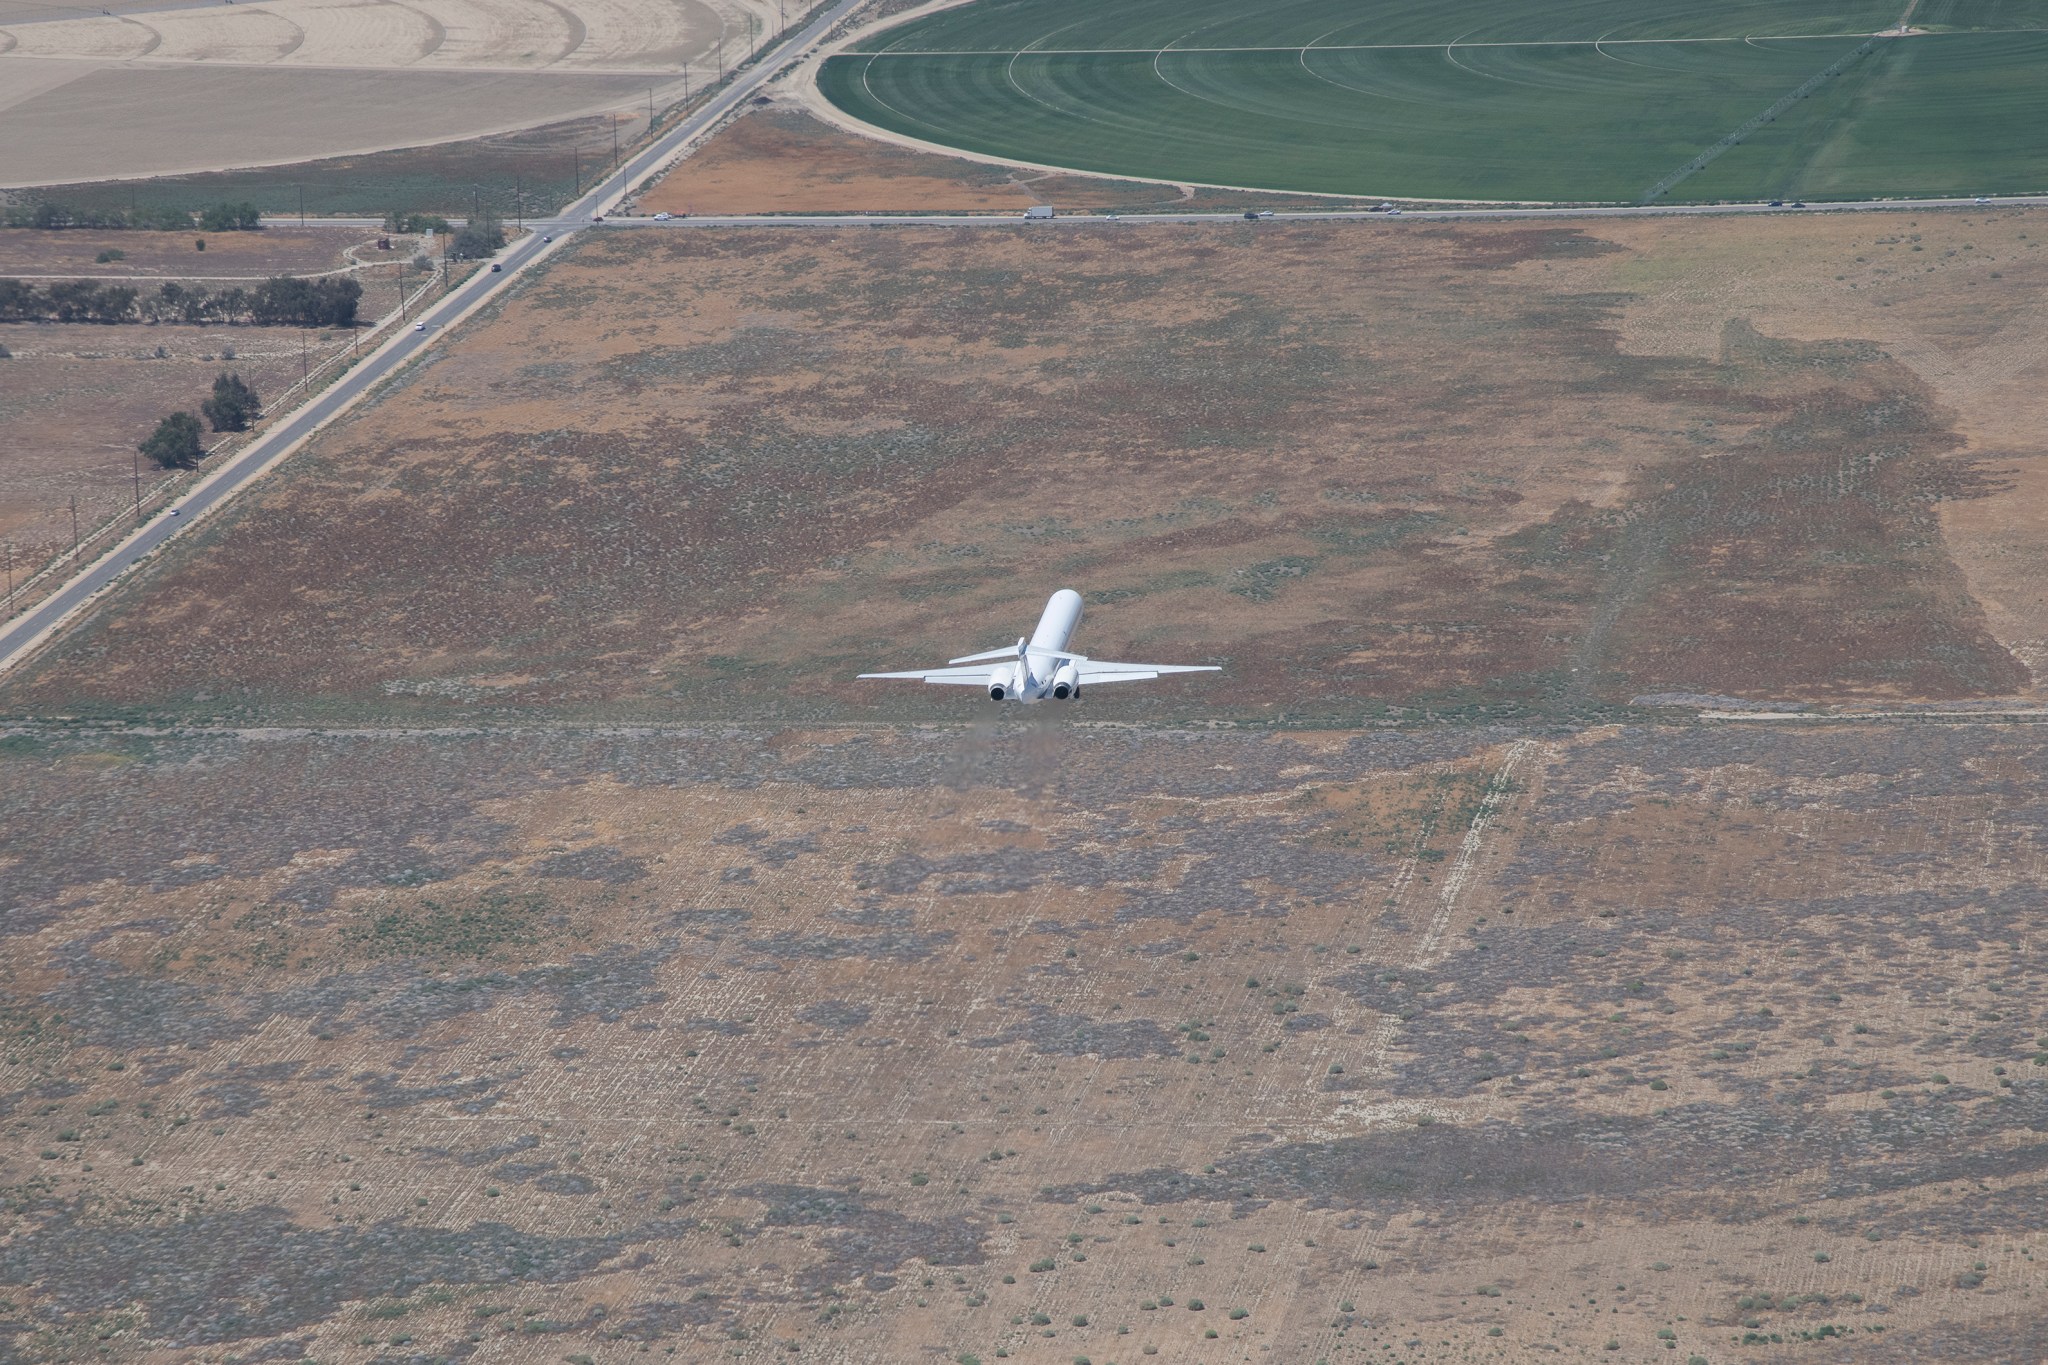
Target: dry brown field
[
  {"x": 1474, "y": 471},
  {"x": 1459, "y": 1044},
  {"x": 460, "y": 905},
  {"x": 782, "y": 160},
  {"x": 78, "y": 397},
  {"x": 75, "y": 398},
  {"x": 229, "y": 256}
]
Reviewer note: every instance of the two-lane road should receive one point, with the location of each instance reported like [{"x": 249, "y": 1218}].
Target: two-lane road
[{"x": 1474, "y": 213}]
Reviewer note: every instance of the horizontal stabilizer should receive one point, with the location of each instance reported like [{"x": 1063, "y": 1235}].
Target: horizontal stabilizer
[{"x": 987, "y": 656}]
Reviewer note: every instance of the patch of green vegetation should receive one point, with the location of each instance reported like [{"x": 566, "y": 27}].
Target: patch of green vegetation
[{"x": 473, "y": 926}]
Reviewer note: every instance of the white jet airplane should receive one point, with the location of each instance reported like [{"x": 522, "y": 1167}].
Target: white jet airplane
[{"x": 1042, "y": 666}]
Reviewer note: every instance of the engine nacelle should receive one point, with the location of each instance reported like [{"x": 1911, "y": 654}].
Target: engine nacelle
[
  {"x": 1001, "y": 682},
  {"x": 1066, "y": 683}
]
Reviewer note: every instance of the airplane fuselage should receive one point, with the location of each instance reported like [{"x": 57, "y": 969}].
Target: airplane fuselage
[{"x": 1041, "y": 669}]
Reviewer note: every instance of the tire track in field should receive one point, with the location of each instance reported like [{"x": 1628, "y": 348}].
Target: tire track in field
[
  {"x": 1495, "y": 799},
  {"x": 1734, "y": 138}
]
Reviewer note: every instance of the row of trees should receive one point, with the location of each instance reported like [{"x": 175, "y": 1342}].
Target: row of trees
[
  {"x": 176, "y": 444},
  {"x": 395, "y": 221},
  {"x": 223, "y": 217},
  {"x": 278, "y": 302}
]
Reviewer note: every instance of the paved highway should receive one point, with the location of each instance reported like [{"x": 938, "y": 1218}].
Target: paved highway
[
  {"x": 21, "y": 636},
  {"x": 1478, "y": 213}
]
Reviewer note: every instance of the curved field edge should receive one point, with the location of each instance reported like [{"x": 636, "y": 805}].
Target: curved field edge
[{"x": 1524, "y": 120}]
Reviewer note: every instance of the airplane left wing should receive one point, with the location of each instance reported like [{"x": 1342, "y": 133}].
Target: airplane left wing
[{"x": 955, "y": 677}]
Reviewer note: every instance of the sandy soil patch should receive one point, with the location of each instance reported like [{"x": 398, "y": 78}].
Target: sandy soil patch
[
  {"x": 371, "y": 34},
  {"x": 358, "y": 77},
  {"x": 1957, "y": 298},
  {"x": 166, "y": 120}
]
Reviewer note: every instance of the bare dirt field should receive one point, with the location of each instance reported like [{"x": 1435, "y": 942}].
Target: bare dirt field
[
  {"x": 1485, "y": 471},
  {"x": 782, "y": 160},
  {"x": 112, "y": 122},
  {"x": 283, "y": 250},
  {"x": 1465, "y": 1044},
  {"x": 87, "y": 95}
]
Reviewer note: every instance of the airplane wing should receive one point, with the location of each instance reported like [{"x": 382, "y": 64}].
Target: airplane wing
[
  {"x": 955, "y": 677},
  {"x": 1103, "y": 671}
]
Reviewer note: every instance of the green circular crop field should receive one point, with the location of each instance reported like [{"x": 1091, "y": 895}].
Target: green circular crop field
[{"x": 1581, "y": 100}]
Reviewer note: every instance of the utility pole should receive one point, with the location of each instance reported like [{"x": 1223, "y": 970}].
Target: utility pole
[
  {"x": 398, "y": 275},
  {"x": 721, "y": 55},
  {"x": 302, "y": 206},
  {"x": 136, "y": 457},
  {"x": 10, "y": 569},
  {"x": 74, "y": 526},
  {"x": 615, "y": 144},
  {"x": 519, "y": 198},
  {"x": 305, "y": 374},
  {"x": 650, "y": 110}
]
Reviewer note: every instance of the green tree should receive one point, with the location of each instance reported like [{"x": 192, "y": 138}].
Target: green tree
[
  {"x": 478, "y": 238},
  {"x": 234, "y": 404},
  {"x": 395, "y": 221},
  {"x": 175, "y": 442},
  {"x": 241, "y": 217}
]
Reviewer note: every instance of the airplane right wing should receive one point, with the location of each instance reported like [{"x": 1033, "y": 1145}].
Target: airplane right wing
[{"x": 1103, "y": 671}]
